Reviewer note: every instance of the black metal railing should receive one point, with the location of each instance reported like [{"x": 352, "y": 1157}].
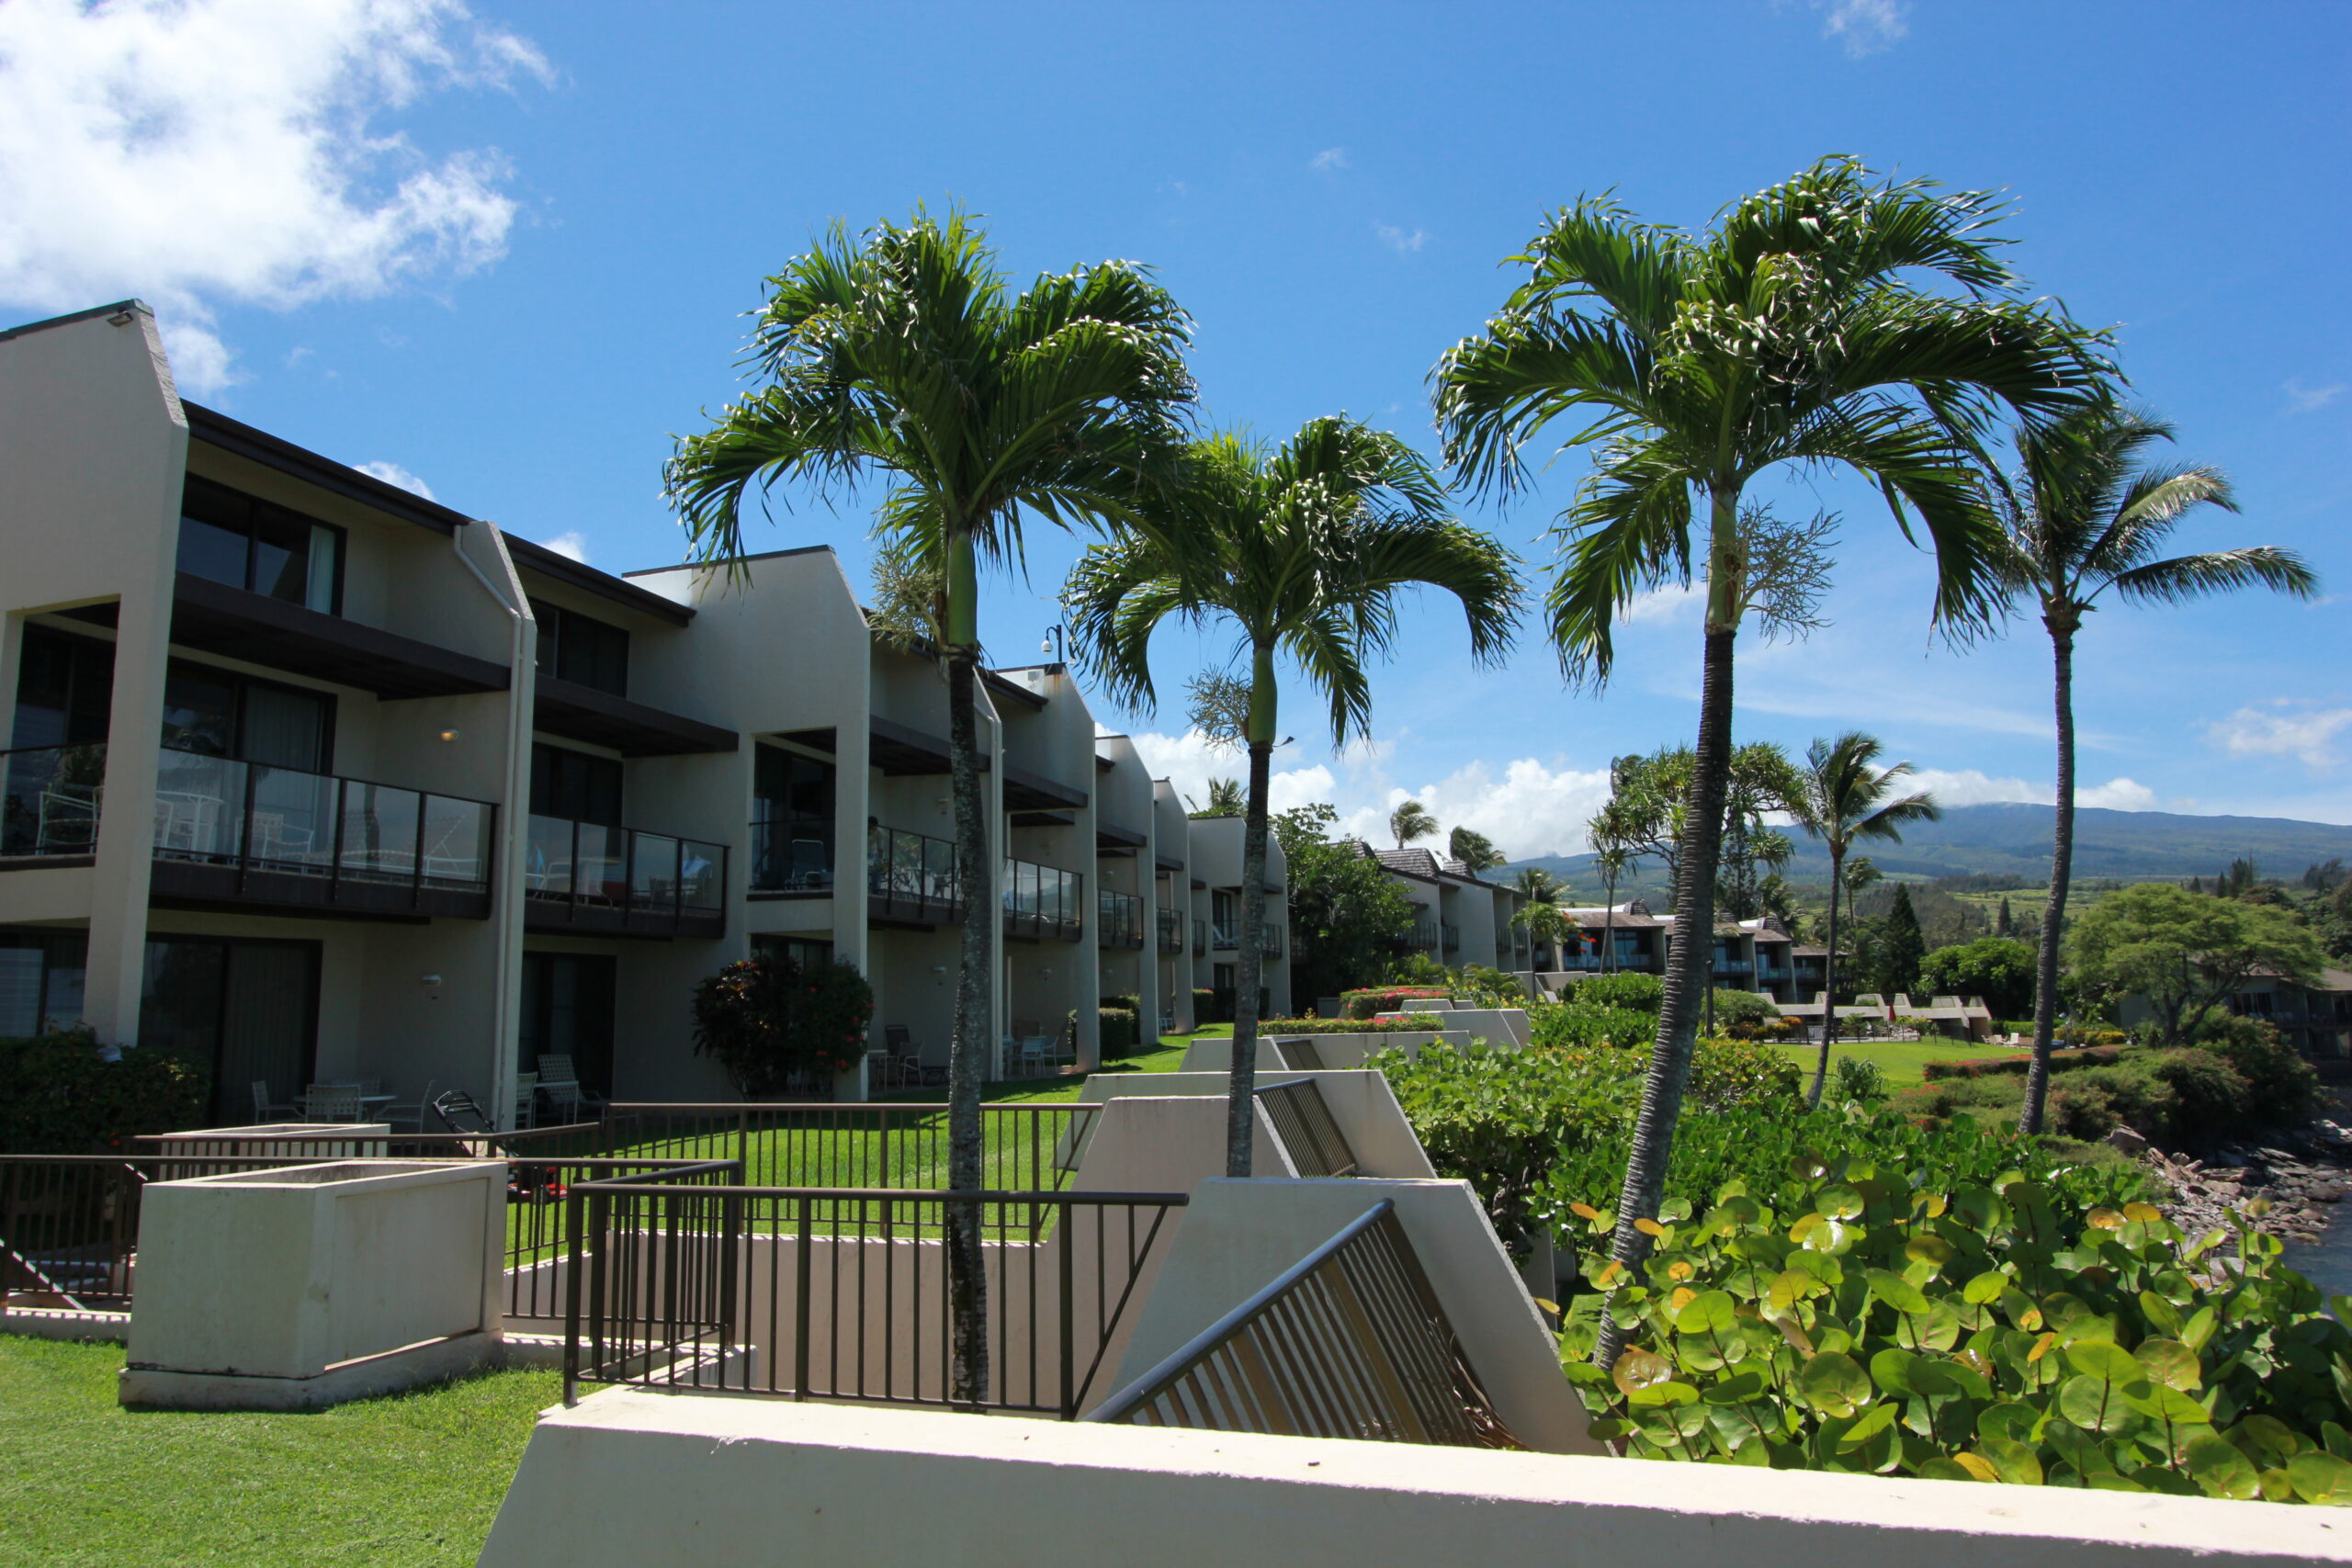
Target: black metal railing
[
  {"x": 1451, "y": 935},
  {"x": 1302, "y": 1119},
  {"x": 317, "y": 836},
  {"x": 620, "y": 878},
  {"x": 1200, "y": 936},
  {"x": 1171, "y": 930},
  {"x": 1349, "y": 1342},
  {"x": 911, "y": 876},
  {"x": 1042, "y": 901},
  {"x": 50, "y": 797},
  {"x": 824, "y": 1143},
  {"x": 1422, "y": 933},
  {"x": 792, "y": 855},
  {"x": 1118, "y": 918},
  {"x": 842, "y": 1293}
]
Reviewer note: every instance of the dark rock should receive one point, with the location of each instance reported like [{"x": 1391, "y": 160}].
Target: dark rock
[
  {"x": 2130, "y": 1141},
  {"x": 2326, "y": 1194}
]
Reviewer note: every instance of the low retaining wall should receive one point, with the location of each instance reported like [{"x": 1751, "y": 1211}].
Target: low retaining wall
[{"x": 682, "y": 1481}]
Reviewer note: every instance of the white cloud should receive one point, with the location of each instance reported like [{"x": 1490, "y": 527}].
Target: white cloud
[
  {"x": 202, "y": 154},
  {"x": 1189, "y": 761},
  {"x": 1656, "y": 606},
  {"x": 1864, "y": 26},
  {"x": 2304, "y": 733},
  {"x": 1969, "y": 786},
  {"x": 1531, "y": 810},
  {"x": 2307, "y": 399},
  {"x": 1327, "y": 160},
  {"x": 1404, "y": 243},
  {"x": 573, "y": 544},
  {"x": 393, "y": 474}
]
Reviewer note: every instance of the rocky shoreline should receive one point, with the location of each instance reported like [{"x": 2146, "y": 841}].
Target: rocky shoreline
[{"x": 2303, "y": 1176}]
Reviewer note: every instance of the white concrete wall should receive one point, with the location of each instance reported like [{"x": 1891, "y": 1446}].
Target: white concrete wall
[
  {"x": 1360, "y": 1102},
  {"x": 915, "y": 1489}
]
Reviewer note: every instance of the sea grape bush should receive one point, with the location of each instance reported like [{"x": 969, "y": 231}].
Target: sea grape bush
[{"x": 1853, "y": 1317}]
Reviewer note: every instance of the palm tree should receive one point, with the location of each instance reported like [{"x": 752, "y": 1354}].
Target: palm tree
[
  {"x": 1303, "y": 549},
  {"x": 1539, "y": 885},
  {"x": 1796, "y": 331},
  {"x": 1544, "y": 924},
  {"x": 906, "y": 356},
  {"x": 1225, "y": 800},
  {"x": 1841, "y": 799},
  {"x": 1409, "y": 821},
  {"x": 1859, "y": 876},
  {"x": 1474, "y": 849},
  {"x": 2084, "y": 514},
  {"x": 1612, "y": 832}
]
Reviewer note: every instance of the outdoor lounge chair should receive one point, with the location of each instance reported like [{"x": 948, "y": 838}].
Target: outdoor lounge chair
[{"x": 266, "y": 1109}]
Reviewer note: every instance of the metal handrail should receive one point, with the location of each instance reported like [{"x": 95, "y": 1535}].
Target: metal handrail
[
  {"x": 1303, "y": 1122},
  {"x": 1351, "y": 1341}
]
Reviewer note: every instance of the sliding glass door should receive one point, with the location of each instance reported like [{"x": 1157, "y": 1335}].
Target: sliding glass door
[{"x": 250, "y": 1008}]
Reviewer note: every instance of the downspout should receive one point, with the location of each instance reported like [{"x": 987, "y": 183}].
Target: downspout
[{"x": 523, "y": 663}]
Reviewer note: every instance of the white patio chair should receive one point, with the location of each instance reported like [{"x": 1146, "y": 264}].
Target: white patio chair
[
  {"x": 527, "y": 1091},
  {"x": 331, "y": 1103},
  {"x": 409, "y": 1118},
  {"x": 265, "y": 1108}
]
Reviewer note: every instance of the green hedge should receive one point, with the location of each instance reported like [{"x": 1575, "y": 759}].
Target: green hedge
[
  {"x": 1349, "y": 1025},
  {"x": 2016, "y": 1067},
  {"x": 60, "y": 1094},
  {"x": 1205, "y": 1006},
  {"x": 1372, "y": 1000},
  {"x": 1119, "y": 1035}
]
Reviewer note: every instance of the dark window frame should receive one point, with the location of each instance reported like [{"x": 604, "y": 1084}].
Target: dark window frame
[
  {"x": 223, "y": 1100},
  {"x": 559, "y": 644},
  {"x": 329, "y": 732},
  {"x": 256, "y": 507},
  {"x": 43, "y": 938},
  {"x": 77, "y": 648},
  {"x": 544, "y": 778}
]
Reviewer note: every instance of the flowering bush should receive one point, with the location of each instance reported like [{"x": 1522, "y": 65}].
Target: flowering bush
[
  {"x": 1387, "y": 998},
  {"x": 770, "y": 1021}
]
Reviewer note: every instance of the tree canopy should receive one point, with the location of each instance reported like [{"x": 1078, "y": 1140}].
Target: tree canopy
[{"x": 2185, "y": 952}]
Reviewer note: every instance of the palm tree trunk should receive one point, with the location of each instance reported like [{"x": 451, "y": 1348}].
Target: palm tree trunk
[
  {"x": 1241, "y": 1101},
  {"x": 1609, "y": 928},
  {"x": 1829, "y": 980},
  {"x": 2061, "y": 865},
  {"x": 1686, "y": 975},
  {"x": 967, "y": 1286}
]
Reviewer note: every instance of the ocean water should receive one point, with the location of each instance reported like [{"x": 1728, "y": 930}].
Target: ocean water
[{"x": 2327, "y": 1262}]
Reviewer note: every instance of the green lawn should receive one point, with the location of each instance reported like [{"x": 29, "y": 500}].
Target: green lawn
[
  {"x": 412, "y": 1479},
  {"x": 1899, "y": 1060}
]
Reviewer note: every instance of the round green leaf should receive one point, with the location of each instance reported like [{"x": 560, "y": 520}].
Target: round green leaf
[
  {"x": 1942, "y": 1469},
  {"x": 1875, "y": 1420},
  {"x": 2160, "y": 1402},
  {"x": 2094, "y": 1406},
  {"x": 1896, "y": 1291},
  {"x": 2321, "y": 1477},
  {"x": 2010, "y": 1420},
  {"x": 2106, "y": 1361},
  {"x": 1891, "y": 1369},
  {"x": 1708, "y": 1312},
  {"x": 1840, "y": 1202},
  {"x": 1834, "y": 1384},
  {"x": 1985, "y": 1288},
  {"x": 1651, "y": 1395},
  {"x": 2011, "y": 1461},
  {"x": 2171, "y": 1363},
  {"x": 1638, "y": 1369},
  {"x": 1933, "y": 1250}
]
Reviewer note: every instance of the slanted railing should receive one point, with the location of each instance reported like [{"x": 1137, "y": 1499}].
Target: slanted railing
[
  {"x": 1351, "y": 1341},
  {"x": 1303, "y": 1121},
  {"x": 843, "y": 1293}
]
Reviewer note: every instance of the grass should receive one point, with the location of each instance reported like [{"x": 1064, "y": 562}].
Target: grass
[
  {"x": 1900, "y": 1060},
  {"x": 411, "y": 1478}
]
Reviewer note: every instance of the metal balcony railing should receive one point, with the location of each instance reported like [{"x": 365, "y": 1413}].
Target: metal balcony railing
[
  {"x": 911, "y": 876},
  {"x": 50, "y": 797},
  {"x": 1200, "y": 936},
  {"x": 1118, "y": 918},
  {"x": 792, "y": 855},
  {"x": 1171, "y": 930},
  {"x": 1452, "y": 934},
  {"x": 604, "y": 878},
  {"x": 1042, "y": 901}
]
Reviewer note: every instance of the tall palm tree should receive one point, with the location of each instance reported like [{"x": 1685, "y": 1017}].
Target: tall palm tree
[
  {"x": 1860, "y": 874},
  {"x": 1303, "y": 549},
  {"x": 1797, "y": 330},
  {"x": 1543, "y": 924},
  {"x": 1539, "y": 885},
  {"x": 1411, "y": 820},
  {"x": 1474, "y": 849},
  {"x": 2085, "y": 514},
  {"x": 1613, "y": 833},
  {"x": 1225, "y": 798},
  {"x": 1841, "y": 798},
  {"x": 906, "y": 356}
]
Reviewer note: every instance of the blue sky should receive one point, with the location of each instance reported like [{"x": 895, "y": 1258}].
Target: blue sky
[{"x": 505, "y": 251}]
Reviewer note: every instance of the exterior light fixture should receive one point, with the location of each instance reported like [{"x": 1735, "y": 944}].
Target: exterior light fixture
[
  {"x": 121, "y": 319},
  {"x": 428, "y": 979},
  {"x": 448, "y": 735}
]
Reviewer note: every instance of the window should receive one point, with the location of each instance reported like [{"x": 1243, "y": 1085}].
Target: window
[
  {"x": 64, "y": 689},
  {"x": 803, "y": 952},
  {"x": 574, "y": 786},
  {"x": 1224, "y": 916},
  {"x": 568, "y": 1012},
  {"x": 232, "y": 537},
  {"x": 792, "y": 822},
  {"x": 574, "y": 648},
  {"x": 216, "y": 713},
  {"x": 40, "y": 981},
  {"x": 250, "y": 1007}
]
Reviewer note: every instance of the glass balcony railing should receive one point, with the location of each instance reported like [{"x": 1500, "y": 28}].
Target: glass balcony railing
[
  {"x": 911, "y": 876},
  {"x": 1200, "y": 936},
  {"x": 1271, "y": 940},
  {"x": 598, "y": 872},
  {"x": 350, "y": 833},
  {"x": 1118, "y": 918},
  {"x": 49, "y": 799},
  {"x": 792, "y": 855},
  {"x": 1171, "y": 930},
  {"x": 1042, "y": 901}
]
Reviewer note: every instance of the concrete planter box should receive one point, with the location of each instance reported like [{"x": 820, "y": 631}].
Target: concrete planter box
[
  {"x": 303, "y": 1287},
  {"x": 305, "y": 1140}
]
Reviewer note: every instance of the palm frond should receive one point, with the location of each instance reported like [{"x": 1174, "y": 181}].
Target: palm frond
[{"x": 2183, "y": 577}]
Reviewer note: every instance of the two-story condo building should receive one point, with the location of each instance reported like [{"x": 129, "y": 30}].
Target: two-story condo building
[{"x": 320, "y": 779}]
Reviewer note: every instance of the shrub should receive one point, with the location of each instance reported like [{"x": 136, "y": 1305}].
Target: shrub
[
  {"x": 1388, "y": 998},
  {"x": 1857, "y": 1078},
  {"x": 2087, "y": 1034},
  {"x": 1577, "y": 1025},
  {"x": 1117, "y": 1029},
  {"x": 1895, "y": 1317},
  {"x": 1349, "y": 1025},
  {"x": 1745, "y": 1007},
  {"x": 1126, "y": 999},
  {"x": 2060, "y": 1062},
  {"x": 2210, "y": 1100},
  {"x": 1644, "y": 992},
  {"x": 1999, "y": 969},
  {"x": 2281, "y": 1086},
  {"x": 770, "y": 1022},
  {"x": 1207, "y": 1008},
  {"x": 60, "y": 1094}
]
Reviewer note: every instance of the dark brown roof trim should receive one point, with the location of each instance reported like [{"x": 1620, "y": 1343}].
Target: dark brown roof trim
[
  {"x": 215, "y": 429},
  {"x": 529, "y": 556}
]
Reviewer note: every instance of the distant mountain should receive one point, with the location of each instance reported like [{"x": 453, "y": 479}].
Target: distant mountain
[{"x": 2014, "y": 840}]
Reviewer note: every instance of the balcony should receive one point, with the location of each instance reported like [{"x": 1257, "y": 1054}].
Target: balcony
[
  {"x": 1043, "y": 902},
  {"x": 1270, "y": 936},
  {"x": 48, "y": 801},
  {"x": 1171, "y": 930},
  {"x": 1200, "y": 936},
  {"x": 588, "y": 879},
  {"x": 1118, "y": 920},
  {"x": 246, "y": 834},
  {"x": 792, "y": 855},
  {"x": 911, "y": 879},
  {"x": 1453, "y": 937}
]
